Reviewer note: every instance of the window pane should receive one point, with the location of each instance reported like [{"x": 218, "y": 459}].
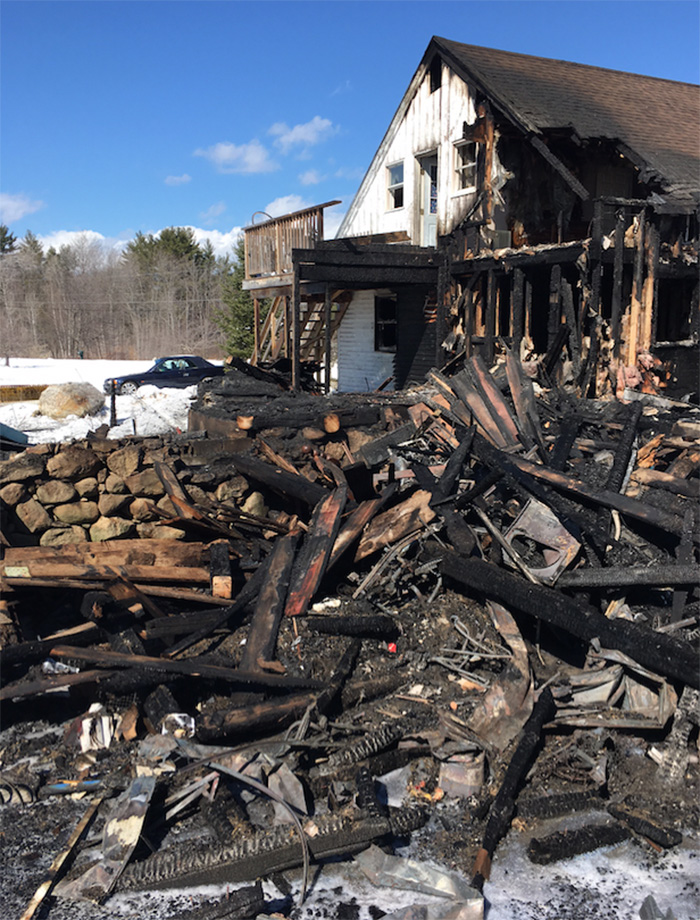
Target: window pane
[
  {"x": 398, "y": 197},
  {"x": 396, "y": 174}
]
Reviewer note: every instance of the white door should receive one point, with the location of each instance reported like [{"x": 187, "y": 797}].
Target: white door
[{"x": 428, "y": 200}]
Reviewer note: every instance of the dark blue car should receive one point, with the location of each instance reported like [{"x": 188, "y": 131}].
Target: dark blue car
[{"x": 174, "y": 371}]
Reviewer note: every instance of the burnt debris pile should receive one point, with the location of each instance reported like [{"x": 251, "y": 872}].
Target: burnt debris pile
[{"x": 312, "y": 626}]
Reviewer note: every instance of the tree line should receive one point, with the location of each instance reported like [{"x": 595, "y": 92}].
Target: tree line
[{"x": 163, "y": 294}]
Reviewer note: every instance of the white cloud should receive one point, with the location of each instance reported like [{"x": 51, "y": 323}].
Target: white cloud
[
  {"x": 311, "y": 177},
  {"x": 287, "y": 204},
  {"x": 306, "y": 135},
  {"x": 178, "y": 180},
  {"x": 80, "y": 238},
  {"x": 222, "y": 243},
  {"x": 332, "y": 219},
  {"x": 238, "y": 158},
  {"x": 216, "y": 210},
  {"x": 15, "y": 207}
]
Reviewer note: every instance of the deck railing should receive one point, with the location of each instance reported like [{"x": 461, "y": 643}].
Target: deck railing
[{"x": 268, "y": 246}]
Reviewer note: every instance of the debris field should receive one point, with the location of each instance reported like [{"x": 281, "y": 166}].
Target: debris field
[{"x": 317, "y": 627}]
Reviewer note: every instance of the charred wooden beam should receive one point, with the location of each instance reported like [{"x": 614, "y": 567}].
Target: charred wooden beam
[
  {"x": 504, "y": 804},
  {"x": 618, "y": 267},
  {"x": 554, "y": 316},
  {"x": 316, "y": 550},
  {"x": 191, "y": 667},
  {"x": 658, "y": 652},
  {"x": 246, "y": 596},
  {"x": 623, "y": 452},
  {"x": 280, "y": 481},
  {"x": 684, "y": 556},
  {"x": 665, "y": 521},
  {"x": 262, "y": 636},
  {"x": 376, "y": 626},
  {"x": 629, "y": 576},
  {"x": 357, "y": 521}
]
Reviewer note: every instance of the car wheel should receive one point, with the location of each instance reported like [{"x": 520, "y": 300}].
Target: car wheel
[{"x": 127, "y": 389}]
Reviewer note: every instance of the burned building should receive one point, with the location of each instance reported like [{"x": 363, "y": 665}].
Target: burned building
[{"x": 542, "y": 204}]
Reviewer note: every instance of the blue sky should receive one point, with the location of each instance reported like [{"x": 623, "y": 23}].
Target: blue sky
[{"x": 120, "y": 116}]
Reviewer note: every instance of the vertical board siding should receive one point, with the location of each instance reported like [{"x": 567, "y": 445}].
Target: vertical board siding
[
  {"x": 360, "y": 367},
  {"x": 432, "y": 122}
]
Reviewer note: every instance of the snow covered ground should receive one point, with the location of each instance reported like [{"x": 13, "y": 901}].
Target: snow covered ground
[{"x": 151, "y": 411}]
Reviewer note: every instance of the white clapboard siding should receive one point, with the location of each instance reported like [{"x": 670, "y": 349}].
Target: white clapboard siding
[{"x": 360, "y": 367}]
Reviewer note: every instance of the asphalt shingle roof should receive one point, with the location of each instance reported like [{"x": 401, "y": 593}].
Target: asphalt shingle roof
[{"x": 658, "y": 119}]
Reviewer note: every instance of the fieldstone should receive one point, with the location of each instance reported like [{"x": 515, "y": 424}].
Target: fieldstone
[
  {"x": 232, "y": 490},
  {"x": 151, "y": 531},
  {"x": 141, "y": 509},
  {"x": 124, "y": 462},
  {"x": 313, "y": 434},
  {"x": 13, "y": 493},
  {"x": 73, "y": 463},
  {"x": 198, "y": 495},
  {"x": 146, "y": 483},
  {"x": 87, "y": 488},
  {"x": 77, "y": 513},
  {"x": 166, "y": 505},
  {"x": 64, "y": 399},
  {"x": 20, "y": 468},
  {"x": 334, "y": 451},
  {"x": 357, "y": 439},
  {"x": 41, "y": 450},
  {"x": 109, "y": 504},
  {"x": 55, "y": 492},
  {"x": 255, "y": 504},
  {"x": 115, "y": 484},
  {"x": 33, "y": 515},
  {"x": 110, "y": 528},
  {"x": 59, "y": 536}
]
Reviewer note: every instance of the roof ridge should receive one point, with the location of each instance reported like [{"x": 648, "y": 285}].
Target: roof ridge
[{"x": 537, "y": 57}]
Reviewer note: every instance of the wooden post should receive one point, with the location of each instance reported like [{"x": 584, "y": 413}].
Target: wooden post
[
  {"x": 596, "y": 263},
  {"x": 327, "y": 319},
  {"x": 256, "y": 330},
  {"x": 469, "y": 318},
  {"x": 295, "y": 344},
  {"x": 286, "y": 324},
  {"x": 554, "y": 318},
  {"x": 618, "y": 268},
  {"x": 649, "y": 288},
  {"x": 443, "y": 287},
  {"x": 516, "y": 308},
  {"x": 567, "y": 297},
  {"x": 630, "y": 352},
  {"x": 490, "y": 318},
  {"x": 528, "y": 308}
]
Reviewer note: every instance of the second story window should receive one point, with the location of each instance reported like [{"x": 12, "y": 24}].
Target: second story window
[
  {"x": 465, "y": 165},
  {"x": 395, "y": 185}
]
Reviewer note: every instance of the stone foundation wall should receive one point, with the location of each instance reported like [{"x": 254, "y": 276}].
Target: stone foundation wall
[{"x": 102, "y": 490}]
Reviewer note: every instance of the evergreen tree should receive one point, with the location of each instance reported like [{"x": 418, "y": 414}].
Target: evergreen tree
[
  {"x": 8, "y": 241},
  {"x": 236, "y": 320}
]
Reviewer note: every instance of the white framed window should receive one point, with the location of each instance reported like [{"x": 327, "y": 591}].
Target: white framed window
[
  {"x": 465, "y": 165},
  {"x": 394, "y": 178}
]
